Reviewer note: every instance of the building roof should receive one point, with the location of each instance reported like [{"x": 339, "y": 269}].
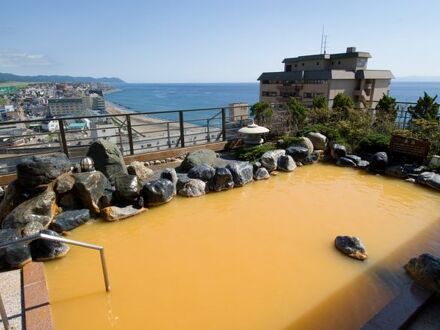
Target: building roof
[
  {"x": 326, "y": 75},
  {"x": 326, "y": 57},
  {"x": 66, "y": 100}
]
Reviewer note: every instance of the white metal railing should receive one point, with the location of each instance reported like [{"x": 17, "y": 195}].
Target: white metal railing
[{"x": 56, "y": 239}]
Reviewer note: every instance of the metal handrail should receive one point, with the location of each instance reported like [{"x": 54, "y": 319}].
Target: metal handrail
[{"x": 48, "y": 237}]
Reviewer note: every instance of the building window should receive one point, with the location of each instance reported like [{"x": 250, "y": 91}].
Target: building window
[
  {"x": 296, "y": 65},
  {"x": 303, "y": 64},
  {"x": 339, "y": 62},
  {"x": 288, "y": 67},
  {"x": 317, "y": 63}
]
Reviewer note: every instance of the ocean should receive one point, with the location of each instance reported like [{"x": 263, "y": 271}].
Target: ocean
[{"x": 163, "y": 97}]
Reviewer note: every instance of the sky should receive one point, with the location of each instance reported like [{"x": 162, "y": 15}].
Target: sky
[{"x": 211, "y": 40}]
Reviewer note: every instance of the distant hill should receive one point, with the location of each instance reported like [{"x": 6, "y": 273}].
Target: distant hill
[{"x": 6, "y": 77}]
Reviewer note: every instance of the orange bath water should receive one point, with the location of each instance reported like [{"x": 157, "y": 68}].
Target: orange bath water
[{"x": 256, "y": 257}]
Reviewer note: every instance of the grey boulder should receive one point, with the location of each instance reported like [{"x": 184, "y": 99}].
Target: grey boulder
[
  {"x": 43, "y": 249},
  {"x": 107, "y": 158},
  {"x": 345, "y": 162},
  {"x": 298, "y": 153},
  {"x": 204, "y": 156},
  {"x": 269, "y": 159},
  {"x": 242, "y": 173},
  {"x": 379, "y": 162},
  {"x": 157, "y": 192},
  {"x": 37, "y": 170},
  {"x": 69, "y": 220},
  {"x": 192, "y": 188},
  {"x": 14, "y": 256},
  {"x": 351, "y": 246},
  {"x": 286, "y": 163},
  {"x": 140, "y": 170},
  {"x": 425, "y": 270},
  {"x": 89, "y": 188},
  {"x": 127, "y": 188},
  {"x": 319, "y": 140},
  {"x": 337, "y": 150},
  {"x": 171, "y": 175},
  {"x": 429, "y": 179},
  {"x": 261, "y": 174},
  {"x": 202, "y": 172},
  {"x": 222, "y": 180}
]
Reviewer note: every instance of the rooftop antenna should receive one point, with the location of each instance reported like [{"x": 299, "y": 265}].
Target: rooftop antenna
[
  {"x": 325, "y": 44},
  {"x": 322, "y": 40}
]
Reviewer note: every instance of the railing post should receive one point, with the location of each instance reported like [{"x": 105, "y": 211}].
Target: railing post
[
  {"x": 130, "y": 134},
  {"x": 168, "y": 134},
  {"x": 207, "y": 130},
  {"x": 4, "y": 315},
  {"x": 63, "y": 137},
  {"x": 182, "y": 129},
  {"x": 224, "y": 124}
]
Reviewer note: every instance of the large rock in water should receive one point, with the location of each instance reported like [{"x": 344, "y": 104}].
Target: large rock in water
[
  {"x": 286, "y": 163},
  {"x": 425, "y": 270},
  {"x": 345, "y": 162},
  {"x": 222, "y": 180},
  {"x": 41, "y": 208},
  {"x": 114, "y": 213},
  {"x": 64, "y": 183},
  {"x": 202, "y": 172},
  {"x": 107, "y": 158},
  {"x": 261, "y": 174},
  {"x": 298, "y": 153},
  {"x": 90, "y": 187},
  {"x": 319, "y": 140},
  {"x": 69, "y": 220},
  {"x": 12, "y": 198},
  {"x": 429, "y": 179},
  {"x": 269, "y": 160},
  {"x": 379, "y": 162},
  {"x": 351, "y": 246},
  {"x": 14, "y": 256},
  {"x": 42, "y": 249},
  {"x": 127, "y": 188},
  {"x": 171, "y": 175},
  {"x": 337, "y": 151},
  {"x": 157, "y": 192},
  {"x": 306, "y": 143},
  {"x": 37, "y": 170},
  {"x": 192, "y": 188},
  {"x": 242, "y": 173},
  {"x": 199, "y": 157},
  {"x": 140, "y": 170}
]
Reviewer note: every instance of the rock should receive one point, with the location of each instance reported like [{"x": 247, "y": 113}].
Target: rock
[
  {"x": 311, "y": 159},
  {"x": 429, "y": 179},
  {"x": 114, "y": 213},
  {"x": 127, "y": 188},
  {"x": 107, "y": 197},
  {"x": 11, "y": 200},
  {"x": 182, "y": 179},
  {"x": 354, "y": 158},
  {"x": 107, "y": 158},
  {"x": 345, "y": 162},
  {"x": 140, "y": 170},
  {"x": 286, "y": 163},
  {"x": 351, "y": 246},
  {"x": 410, "y": 180},
  {"x": 204, "y": 156},
  {"x": 193, "y": 188},
  {"x": 37, "y": 170},
  {"x": 319, "y": 140},
  {"x": 42, "y": 249},
  {"x": 396, "y": 171},
  {"x": 261, "y": 174},
  {"x": 242, "y": 173},
  {"x": 14, "y": 256},
  {"x": 379, "y": 162},
  {"x": 256, "y": 165},
  {"x": 298, "y": 153},
  {"x": 64, "y": 183},
  {"x": 202, "y": 172},
  {"x": 69, "y": 220},
  {"x": 363, "y": 165},
  {"x": 171, "y": 175},
  {"x": 306, "y": 143},
  {"x": 68, "y": 201},
  {"x": 425, "y": 270},
  {"x": 337, "y": 150},
  {"x": 222, "y": 180},
  {"x": 269, "y": 159},
  {"x": 32, "y": 228},
  {"x": 41, "y": 208},
  {"x": 89, "y": 188},
  {"x": 157, "y": 192}
]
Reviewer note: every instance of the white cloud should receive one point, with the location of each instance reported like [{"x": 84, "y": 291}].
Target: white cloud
[{"x": 14, "y": 59}]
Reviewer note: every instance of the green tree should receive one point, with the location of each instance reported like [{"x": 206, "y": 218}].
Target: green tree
[
  {"x": 262, "y": 111},
  {"x": 343, "y": 101},
  {"x": 298, "y": 112},
  {"x": 2, "y": 101},
  {"x": 387, "y": 104},
  {"x": 319, "y": 102},
  {"x": 426, "y": 108}
]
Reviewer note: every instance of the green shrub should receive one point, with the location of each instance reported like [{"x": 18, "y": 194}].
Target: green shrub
[
  {"x": 253, "y": 153},
  {"x": 289, "y": 140},
  {"x": 373, "y": 142}
]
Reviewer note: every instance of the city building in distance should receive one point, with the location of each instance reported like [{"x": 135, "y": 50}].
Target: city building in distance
[{"x": 305, "y": 77}]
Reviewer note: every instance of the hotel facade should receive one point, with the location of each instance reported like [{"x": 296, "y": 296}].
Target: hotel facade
[{"x": 305, "y": 77}]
